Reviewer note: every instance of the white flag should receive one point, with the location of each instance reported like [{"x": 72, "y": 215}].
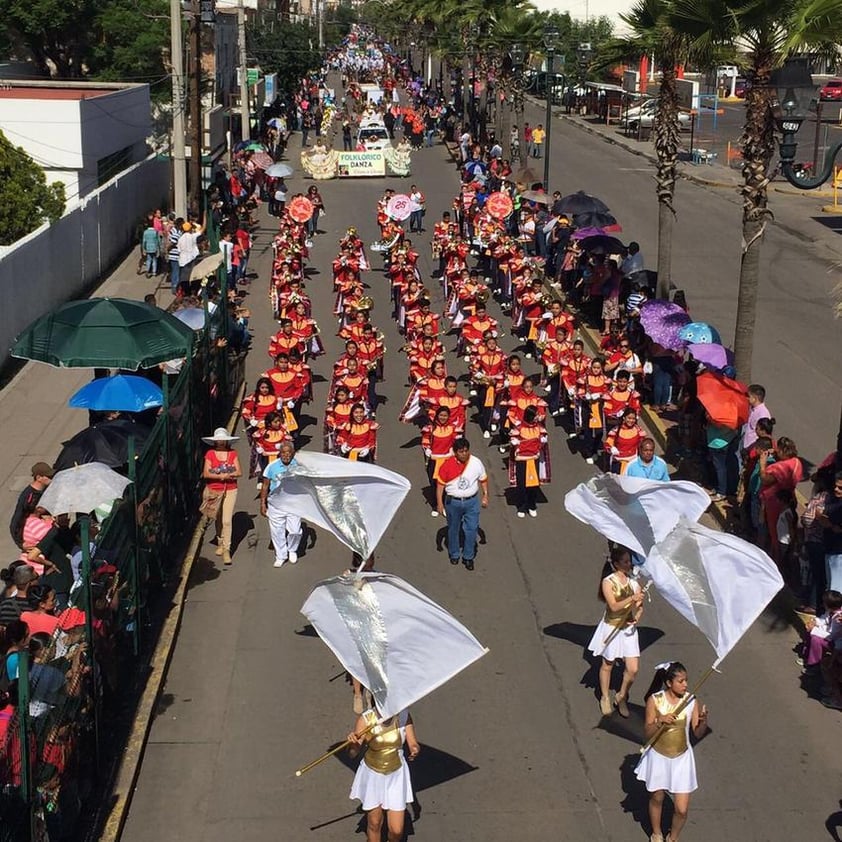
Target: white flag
[
  {"x": 392, "y": 638},
  {"x": 719, "y": 582},
  {"x": 356, "y": 501},
  {"x": 634, "y": 511}
]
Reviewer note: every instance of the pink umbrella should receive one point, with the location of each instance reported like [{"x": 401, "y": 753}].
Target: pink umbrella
[
  {"x": 400, "y": 207},
  {"x": 662, "y": 321},
  {"x": 262, "y": 160},
  {"x": 711, "y": 354}
]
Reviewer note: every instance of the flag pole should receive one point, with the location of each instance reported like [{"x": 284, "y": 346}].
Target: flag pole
[
  {"x": 626, "y": 614},
  {"x": 327, "y": 754},
  {"x": 684, "y": 702}
]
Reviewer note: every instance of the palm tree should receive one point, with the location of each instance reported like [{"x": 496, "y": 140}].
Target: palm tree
[
  {"x": 653, "y": 32},
  {"x": 767, "y": 31}
]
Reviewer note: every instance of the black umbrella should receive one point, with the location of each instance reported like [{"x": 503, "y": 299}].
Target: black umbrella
[
  {"x": 580, "y": 202},
  {"x": 594, "y": 219},
  {"x": 601, "y": 244},
  {"x": 107, "y": 443}
]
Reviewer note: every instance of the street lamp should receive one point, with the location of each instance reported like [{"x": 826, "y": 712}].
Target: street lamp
[
  {"x": 550, "y": 42},
  {"x": 795, "y": 93}
]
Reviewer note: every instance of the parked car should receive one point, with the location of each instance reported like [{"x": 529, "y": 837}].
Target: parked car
[
  {"x": 831, "y": 90},
  {"x": 645, "y": 117}
]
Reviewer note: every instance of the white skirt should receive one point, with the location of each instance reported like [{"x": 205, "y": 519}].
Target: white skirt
[
  {"x": 674, "y": 774},
  {"x": 624, "y": 645},
  {"x": 391, "y": 792}
]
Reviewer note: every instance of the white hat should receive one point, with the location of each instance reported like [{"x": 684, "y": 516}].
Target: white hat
[{"x": 219, "y": 434}]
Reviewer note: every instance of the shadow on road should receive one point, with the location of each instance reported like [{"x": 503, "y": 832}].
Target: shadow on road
[{"x": 637, "y": 800}]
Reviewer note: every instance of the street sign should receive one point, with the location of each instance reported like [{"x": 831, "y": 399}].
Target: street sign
[{"x": 252, "y": 75}]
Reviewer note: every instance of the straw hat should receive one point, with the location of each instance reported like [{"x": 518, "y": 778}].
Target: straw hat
[{"x": 220, "y": 434}]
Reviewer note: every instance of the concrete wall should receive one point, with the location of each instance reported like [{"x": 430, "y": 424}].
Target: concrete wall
[{"x": 59, "y": 262}]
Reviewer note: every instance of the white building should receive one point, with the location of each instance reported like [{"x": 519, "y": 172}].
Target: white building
[
  {"x": 588, "y": 9},
  {"x": 81, "y": 133}
]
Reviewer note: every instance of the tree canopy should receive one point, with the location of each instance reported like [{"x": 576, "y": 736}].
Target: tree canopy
[
  {"x": 26, "y": 200},
  {"x": 289, "y": 49}
]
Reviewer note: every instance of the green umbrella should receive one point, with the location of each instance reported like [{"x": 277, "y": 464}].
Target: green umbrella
[
  {"x": 105, "y": 333},
  {"x": 254, "y": 146}
]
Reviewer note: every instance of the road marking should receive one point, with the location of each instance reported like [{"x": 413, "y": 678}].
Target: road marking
[{"x": 633, "y": 169}]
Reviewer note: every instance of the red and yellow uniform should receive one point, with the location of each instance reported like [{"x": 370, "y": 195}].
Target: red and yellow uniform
[
  {"x": 622, "y": 443},
  {"x": 474, "y": 327},
  {"x": 268, "y": 442},
  {"x": 358, "y": 439},
  {"x": 257, "y": 407},
  {"x": 617, "y": 400},
  {"x": 437, "y": 441}
]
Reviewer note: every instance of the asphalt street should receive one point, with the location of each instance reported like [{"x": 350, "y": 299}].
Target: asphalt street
[{"x": 514, "y": 747}]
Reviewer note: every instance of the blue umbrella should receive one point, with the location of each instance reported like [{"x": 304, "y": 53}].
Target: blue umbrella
[
  {"x": 700, "y": 333},
  {"x": 123, "y": 392}
]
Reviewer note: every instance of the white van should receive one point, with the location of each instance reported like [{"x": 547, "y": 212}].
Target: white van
[{"x": 373, "y": 135}]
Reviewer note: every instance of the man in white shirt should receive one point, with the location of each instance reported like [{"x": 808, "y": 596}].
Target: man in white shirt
[
  {"x": 462, "y": 488},
  {"x": 188, "y": 251},
  {"x": 633, "y": 261},
  {"x": 284, "y": 528}
]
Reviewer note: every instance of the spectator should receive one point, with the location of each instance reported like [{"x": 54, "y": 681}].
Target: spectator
[
  {"x": 757, "y": 410},
  {"x": 28, "y": 499},
  {"x": 11, "y": 607},
  {"x": 538, "y": 141},
  {"x": 151, "y": 243},
  {"x": 831, "y": 520}
]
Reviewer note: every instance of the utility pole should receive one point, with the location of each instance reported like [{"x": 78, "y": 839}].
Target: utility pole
[
  {"x": 245, "y": 113},
  {"x": 550, "y": 39},
  {"x": 320, "y": 10},
  {"x": 196, "y": 110},
  {"x": 179, "y": 163}
]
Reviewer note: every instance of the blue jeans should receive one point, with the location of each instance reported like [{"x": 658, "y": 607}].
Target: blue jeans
[
  {"x": 416, "y": 220},
  {"x": 428, "y": 136},
  {"x": 833, "y": 563},
  {"x": 175, "y": 274},
  {"x": 724, "y": 461},
  {"x": 462, "y": 516},
  {"x": 661, "y": 380},
  {"x": 151, "y": 263}
]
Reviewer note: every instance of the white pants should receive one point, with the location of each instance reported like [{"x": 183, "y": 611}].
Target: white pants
[{"x": 285, "y": 531}]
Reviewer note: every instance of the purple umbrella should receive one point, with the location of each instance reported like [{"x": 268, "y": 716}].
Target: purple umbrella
[
  {"x": 711, "y": 354},
  {"x": 581, "y": 233},
  {"x": 662, "y": 321}
]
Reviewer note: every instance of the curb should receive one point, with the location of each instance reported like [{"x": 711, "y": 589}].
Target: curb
[{"x": 128, "y": 771}]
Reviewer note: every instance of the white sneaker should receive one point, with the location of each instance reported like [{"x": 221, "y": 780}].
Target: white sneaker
[
  {"x": 521, "y": 514},
  {"x": 279, "y": 562},
  {"x": 572, "y": 435},
  {"x": 293, "y": 558},
  {"x": 486, "y": 435},
  {"x": 502, "y": 448},
  {"x": 434, "y": 513},
  {"x": 528, "y": 356},
  {"x": 548, "y": 389},
  {"x": 466, "y": 358},
  {"x": 590, "y": 460},
  {"x": 473, "y": 393},
  {"x": 494, "y": 428},
  {"x": 533, "y": 513}
]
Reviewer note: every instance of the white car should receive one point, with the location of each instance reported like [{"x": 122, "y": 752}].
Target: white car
[
  {"x": 644, "y": 117},
  {"x": 373, "y": 136}
]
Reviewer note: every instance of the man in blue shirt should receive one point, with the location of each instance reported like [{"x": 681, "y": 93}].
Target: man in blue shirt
[
  {"x": 647, "y": 465},
  {"x": 284, "y": 528}
]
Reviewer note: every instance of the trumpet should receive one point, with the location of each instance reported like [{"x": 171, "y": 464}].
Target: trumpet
[
  {"x": 364, "y": 303},
  {"x": 483, "y": 295}
]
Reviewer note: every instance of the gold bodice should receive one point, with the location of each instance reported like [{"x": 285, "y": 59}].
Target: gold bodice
[
  {"x": 384, "y": 745},
  {"x": 621, "y": 592},
  {"x": 673, "y": 739}
]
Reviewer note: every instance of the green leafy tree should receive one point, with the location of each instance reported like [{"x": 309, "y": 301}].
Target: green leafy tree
[
  {"x": 26, "y": 200},
  {"x": 291, "y": 50}
]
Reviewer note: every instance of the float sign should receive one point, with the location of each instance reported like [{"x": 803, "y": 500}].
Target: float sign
[{"x": 353, "y": 164}]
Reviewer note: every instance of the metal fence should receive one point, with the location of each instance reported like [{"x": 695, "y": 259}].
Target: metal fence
[{"x": 58, "y": 713}]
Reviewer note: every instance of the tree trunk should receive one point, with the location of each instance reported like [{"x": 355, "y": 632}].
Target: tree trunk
[
  {"x": 666, "y": 219},
  {"x": 758, "y": 146},
  {"x": 666, "y": 149}
]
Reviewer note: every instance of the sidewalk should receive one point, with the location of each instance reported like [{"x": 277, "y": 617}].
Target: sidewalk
[{"x": 33, "y": 405}]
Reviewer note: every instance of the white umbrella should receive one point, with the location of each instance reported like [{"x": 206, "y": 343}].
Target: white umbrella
[
  {"x": 206, "y": 266},
  {"x": 278, "y": 170},
  {"x": 193, "y": 317},
  {"x": 83, "y": 488},
  {"x": 391, "y": 637}
]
